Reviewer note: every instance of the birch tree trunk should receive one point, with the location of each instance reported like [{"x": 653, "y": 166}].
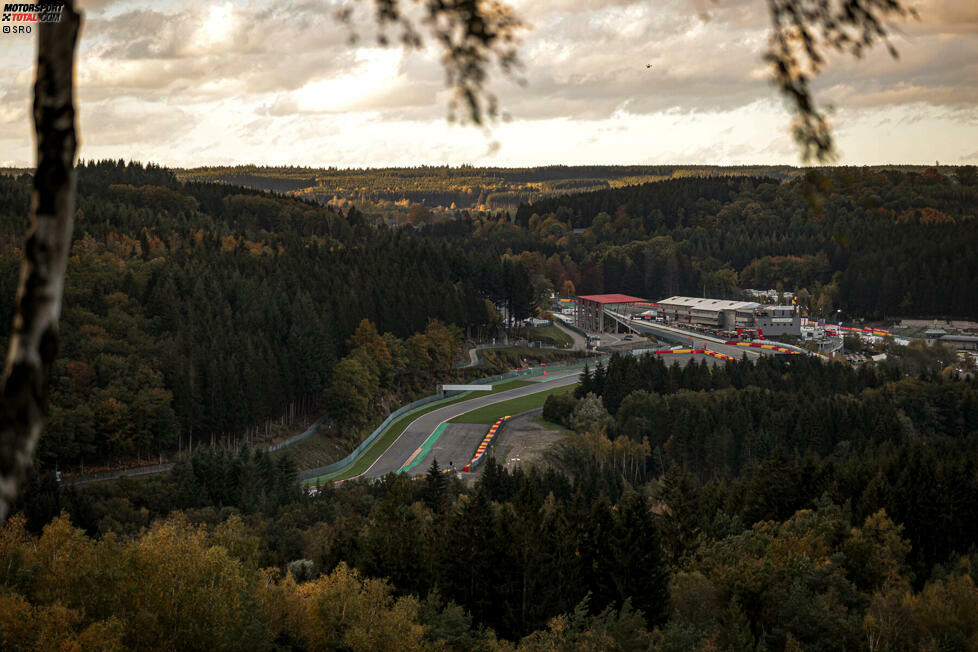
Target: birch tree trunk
[{"x": 34, "y": 335}]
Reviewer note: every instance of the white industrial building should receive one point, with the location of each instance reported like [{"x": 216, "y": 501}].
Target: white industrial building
[
  {"x": 710, "y": 313},
  {"x": 721, "y": 314}
]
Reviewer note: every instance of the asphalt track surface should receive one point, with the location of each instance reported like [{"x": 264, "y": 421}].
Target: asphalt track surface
[
  {"x": 698, "y": 343},
  {"x": 580, "y": 344},
  {"x": 418, "y": 430},
  {"x": 459, "y": 440},
  {"x": 455, "y": 446}
]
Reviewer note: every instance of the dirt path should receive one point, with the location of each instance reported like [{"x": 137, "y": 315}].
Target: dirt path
[{"x": 524, "y": 442}]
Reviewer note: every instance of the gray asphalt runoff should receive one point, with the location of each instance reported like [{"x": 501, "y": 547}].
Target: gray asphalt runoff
[
  {"x": 455, "y": 446},
  {"x": 418, "y": 430}
]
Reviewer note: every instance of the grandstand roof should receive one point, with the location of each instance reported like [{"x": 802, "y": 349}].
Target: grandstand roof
[
  {"x": 611, "y": 298},
  {"x": 708, "y": 304}
]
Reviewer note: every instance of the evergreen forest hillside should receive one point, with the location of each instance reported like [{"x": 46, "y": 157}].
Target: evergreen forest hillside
[
  {"x": 872, "y": 243},
  {"x": 199, "y": 312},
  {"x": 786, "y": 503}
]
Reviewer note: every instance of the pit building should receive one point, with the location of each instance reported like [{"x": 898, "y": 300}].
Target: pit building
[{"x": 720, "y": 314}]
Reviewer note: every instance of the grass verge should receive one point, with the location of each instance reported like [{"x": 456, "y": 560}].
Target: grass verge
[
  {"x": 549, "y": 335},
  {"x": 491, "y": 413}
]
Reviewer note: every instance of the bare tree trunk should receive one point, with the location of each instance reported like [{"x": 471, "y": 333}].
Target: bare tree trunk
[{"x": 34, "y": 335}]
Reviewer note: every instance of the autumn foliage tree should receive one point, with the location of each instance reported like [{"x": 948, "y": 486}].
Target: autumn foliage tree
[{"x": 362, "y": 379}]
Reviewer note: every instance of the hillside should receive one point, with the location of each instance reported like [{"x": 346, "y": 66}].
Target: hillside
[
  {"x": 870, "y": 242},
  {"x": 462, "y": 187},
  {"x": 201, "y": 313}
]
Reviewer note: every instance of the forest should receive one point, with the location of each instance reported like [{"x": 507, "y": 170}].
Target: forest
[
  {"x": 203, "y": 312},
  {"x": 788, "y": 433},
  {"x": 786, "y": 503},
  {"x": 873, "y": 243},
  {"x": 198, "y": 312},
  {"x": 694, "y": 508},
  {"x": 782, "y": 504}
]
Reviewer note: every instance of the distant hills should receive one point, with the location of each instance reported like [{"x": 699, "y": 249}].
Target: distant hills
[
  {"x": 464, "y": 187},
  {"x": 389, "y": 191},
  {"x": 468, "y": 187}
]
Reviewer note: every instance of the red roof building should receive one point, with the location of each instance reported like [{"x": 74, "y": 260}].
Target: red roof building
[{"x": 590, "y": 309}]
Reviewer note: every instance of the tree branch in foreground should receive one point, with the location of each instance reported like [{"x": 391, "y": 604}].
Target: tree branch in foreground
[
  {"x": 801, "y": 32},
  {"x": 34, "y": 335}
]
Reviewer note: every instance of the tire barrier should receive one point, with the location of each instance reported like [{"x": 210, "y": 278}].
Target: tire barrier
[
  {"x": 480, "y": 452},
  {"x": 879, "y": 332},
  {"x": 758, "y": 345},
  {"x": 709, "y": 352},
  {"x": 720, "y": 356}
]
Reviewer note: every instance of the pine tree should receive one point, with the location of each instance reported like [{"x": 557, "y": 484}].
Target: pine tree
[
  {"x": 735, "y": 632},
  {"x": 435, "y": 488}
]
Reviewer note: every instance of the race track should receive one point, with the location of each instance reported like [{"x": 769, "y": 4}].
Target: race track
[
  {"x": 455, "y": 446},
  {"x": 418, "y": 431}
]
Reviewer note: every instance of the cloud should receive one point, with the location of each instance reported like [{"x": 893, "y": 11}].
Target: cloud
[{"x": 197, "y": 82}]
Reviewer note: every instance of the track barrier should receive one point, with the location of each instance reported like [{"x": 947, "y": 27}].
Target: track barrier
[
  {"x": 758, "y": 345},
  {"x": 373, "y": 436},
  {"x": 480, "y": 452},
  {"x": 709, "y": 352}
]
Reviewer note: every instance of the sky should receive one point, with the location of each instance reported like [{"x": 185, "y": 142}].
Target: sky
[{"x": 187, "y": 84}]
